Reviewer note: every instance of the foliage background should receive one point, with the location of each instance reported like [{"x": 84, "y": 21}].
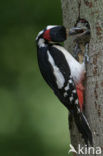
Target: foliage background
[{"x": 32, "y": 120}]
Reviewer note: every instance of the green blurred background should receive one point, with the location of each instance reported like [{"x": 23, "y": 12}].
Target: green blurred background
[{"x": 32, "y": 120}]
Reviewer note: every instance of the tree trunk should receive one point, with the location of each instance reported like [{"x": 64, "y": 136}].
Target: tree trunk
[{"x": 92, "y": 11}]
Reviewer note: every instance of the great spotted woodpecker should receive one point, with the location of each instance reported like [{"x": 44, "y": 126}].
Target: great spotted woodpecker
[
  {"x": 81, "y": 35},
  {"x": 63, "y": 73}
]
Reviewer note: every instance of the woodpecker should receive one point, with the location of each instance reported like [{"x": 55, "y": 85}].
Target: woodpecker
[
  {"x": 81, "y": 31},
  {"x": 81, "y": 35},
  {"x": 63, "y": 73}
]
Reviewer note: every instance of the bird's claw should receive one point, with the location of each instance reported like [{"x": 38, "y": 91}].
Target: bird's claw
[
  {"x": 77, "y": 50},
  {"x": 86, "y": 57}
]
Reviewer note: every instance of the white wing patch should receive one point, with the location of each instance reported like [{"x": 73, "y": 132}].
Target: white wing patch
[
  {"x": 71, "y": 98},
  {"x": 76, "y": 101},
  {"x": 65, "y": 94},
  {"x": 58, "y": 75},
  {"x": 67, "y": 87},
  {"x": 70, "y": 81},
  {"x": 74, "y": 91}
]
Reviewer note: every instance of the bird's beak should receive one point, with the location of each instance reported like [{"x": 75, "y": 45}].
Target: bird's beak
[{"x": 76, "y": 31}]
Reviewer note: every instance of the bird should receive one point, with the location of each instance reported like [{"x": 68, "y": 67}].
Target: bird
[{"x": 63, "y": 73}]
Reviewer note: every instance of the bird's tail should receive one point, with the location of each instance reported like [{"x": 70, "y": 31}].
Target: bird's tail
[{"x": 83, "y": 127}]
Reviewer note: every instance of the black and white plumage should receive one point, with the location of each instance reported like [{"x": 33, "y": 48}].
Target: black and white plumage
[{"x": 62, "y": 73}]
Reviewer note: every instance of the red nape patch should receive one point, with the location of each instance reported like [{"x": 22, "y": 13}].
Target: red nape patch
[
  {"x": 46, "y": 35},
  {"x": 80, "y": 93}
]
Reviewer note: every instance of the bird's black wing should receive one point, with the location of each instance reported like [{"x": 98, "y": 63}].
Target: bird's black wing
[{"x": 67, "y": 93}]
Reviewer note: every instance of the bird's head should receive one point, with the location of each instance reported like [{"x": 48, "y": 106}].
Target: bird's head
[
  {"x": 53, "y": 34},
  {"x": 80, "y": 30}
]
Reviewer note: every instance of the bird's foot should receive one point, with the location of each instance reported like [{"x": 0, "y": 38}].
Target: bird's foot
[
  {"x": 86, "y": 57},
  {"x": 76, "y": 51}
]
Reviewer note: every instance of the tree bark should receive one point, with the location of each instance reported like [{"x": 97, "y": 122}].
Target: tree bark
[{"x": 92, "y": 11}]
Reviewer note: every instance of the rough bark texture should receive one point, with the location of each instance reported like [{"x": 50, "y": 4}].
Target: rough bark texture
[{"x": 92, "y": 11}]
